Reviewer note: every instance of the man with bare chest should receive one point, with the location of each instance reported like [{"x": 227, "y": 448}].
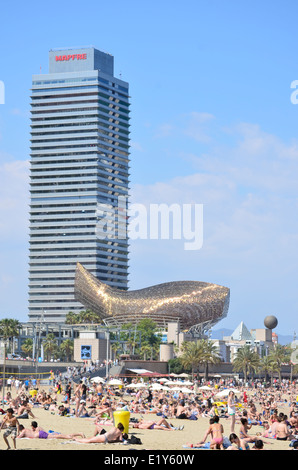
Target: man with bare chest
[{"x": 12, "y": 428}]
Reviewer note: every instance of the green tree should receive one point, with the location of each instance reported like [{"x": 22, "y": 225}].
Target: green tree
[
  {"x": 84, "y": 316},
  {"x": 50, "y": 346},
  {"x": 149, "y": 331},
  {"x": 116, "y": 348},
  {"x": 273, "y": 368},
  {"x": 146, "y": 351},
  {"x": 266, "y": 365},
  {"x": 9, "y": 329},
  {"x": 72, "y": 318},
  {"x": 27, "y": 347},
  {"x": 279, "y": 356},
  {"x": 193, "y": 355},
  {"x": 176, "y": 366},
  {"x": 210, "y": 356},
  {"x": 87, "y": 316},
  {"x": 67, "y": 348},
  {"x": 150, "y": 337},
  {"x": 246, "y": 361}
]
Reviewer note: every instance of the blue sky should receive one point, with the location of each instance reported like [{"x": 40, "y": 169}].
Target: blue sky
[{"x": 212, "y": 123}]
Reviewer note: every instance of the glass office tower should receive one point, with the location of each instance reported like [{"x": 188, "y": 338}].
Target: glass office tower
[{"x": 79, "y": 179}]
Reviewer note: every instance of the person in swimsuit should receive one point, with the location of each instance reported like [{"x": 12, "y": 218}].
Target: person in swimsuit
[
  {"x": 281, "y": 429},
  {"x": 38, "y": 433},
  {"x": 216, "y": 431},
  {"x": 114, "y": 435},
  {"x": 232, "y": 409},
  {"x": 12, "y": 427},
  {"x": 236, "y": 443},
  {"x": 243, "y": 431},
  {"x": 162, "y": 424}
]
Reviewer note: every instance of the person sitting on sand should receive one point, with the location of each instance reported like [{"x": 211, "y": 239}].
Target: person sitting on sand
[
  {"x": 114, "y": 435},
  {"x": 243, "y": 431},
  {"x": 281, "y": 429},
  {"x": 268, "y": 431},
  {"x": 236, "y": 443},
  {"x": 25, "y": 410},
  {"x": 215, "y": 430},
  {"x": 182, "y": 412},
  {"x": 105, "y": 408}
]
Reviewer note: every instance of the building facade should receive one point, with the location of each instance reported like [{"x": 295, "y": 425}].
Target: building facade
[{"x": 78, "y": 179}]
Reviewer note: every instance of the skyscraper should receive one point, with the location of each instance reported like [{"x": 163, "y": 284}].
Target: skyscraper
[{"x": 79, "y": 179}]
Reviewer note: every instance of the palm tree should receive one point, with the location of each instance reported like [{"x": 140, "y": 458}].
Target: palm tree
[
  {"x": 27, "y": 347},
  {"x": 146, "y": 350},
  {"x": 266, "y": 365},
  {"x": 50, "y": 345},
  {"x": 211, "y": 355},
  {"x": 71, "y": 318},
  {"x": 67, "y": 348},
  {"x": 193, "y": 355},
  {"x": 9, "y": 329},
  {"x": 116, "y": 347},
  {"x": 273, "y": 367},
  {"x": 279, "y": 355},
  {"x": 87, "y": 316},
  {"x": 246, "y": 361}
]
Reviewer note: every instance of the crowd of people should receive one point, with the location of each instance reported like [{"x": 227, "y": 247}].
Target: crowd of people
[{"x": 244, "y": 407}]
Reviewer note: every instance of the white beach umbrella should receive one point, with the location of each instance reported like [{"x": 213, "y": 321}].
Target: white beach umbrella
[
  {"x": 156, "y": 386},
  {"x": 115, "y": 382},
  {"x": 97, "y": 380},
  {"x": 138, "y": 385},
  {"x": 205, "y": 387}
]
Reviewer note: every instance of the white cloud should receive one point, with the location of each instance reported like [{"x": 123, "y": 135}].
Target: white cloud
[
  {"x": 193, "y": 125},
  {"x": 249, "y": 191}
]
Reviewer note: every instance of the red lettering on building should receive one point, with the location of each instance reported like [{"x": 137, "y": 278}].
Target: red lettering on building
[{"x": 62, "y": 58}]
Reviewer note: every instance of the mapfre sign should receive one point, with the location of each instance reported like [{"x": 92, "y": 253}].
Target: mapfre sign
[{"x": 62, "y": 58}]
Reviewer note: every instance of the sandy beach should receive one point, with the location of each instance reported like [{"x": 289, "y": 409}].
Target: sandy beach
[{"x": 151, "y": 439}]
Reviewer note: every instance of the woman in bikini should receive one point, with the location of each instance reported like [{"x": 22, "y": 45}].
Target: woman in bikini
[{"x": 216, "y": 431}]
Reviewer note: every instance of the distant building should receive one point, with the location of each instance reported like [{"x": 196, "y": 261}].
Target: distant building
[{"x": 261, "y": 340}]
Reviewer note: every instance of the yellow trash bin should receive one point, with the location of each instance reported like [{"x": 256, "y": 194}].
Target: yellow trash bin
[
  {"x": 121, "y": 416},
  {"x": 33, "y": 393}
]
